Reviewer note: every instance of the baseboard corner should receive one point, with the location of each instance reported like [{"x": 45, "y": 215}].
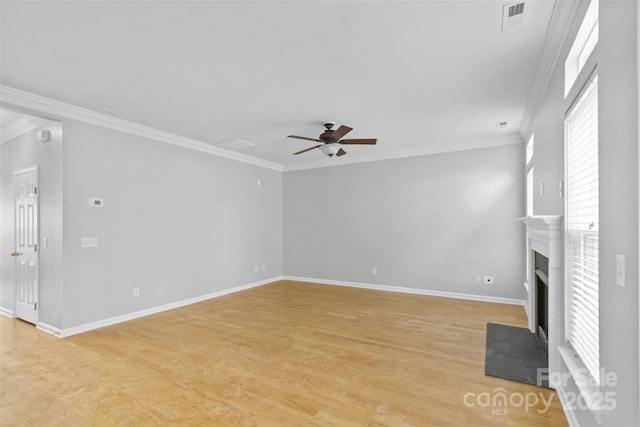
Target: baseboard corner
[
  {"x": 74, "y": 330},
  {"x": 416, "y": 291},
  {"x": 7, "y": 312}
]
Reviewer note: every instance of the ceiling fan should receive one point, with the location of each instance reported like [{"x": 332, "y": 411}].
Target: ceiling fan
[{"x": 332, "y": 140}]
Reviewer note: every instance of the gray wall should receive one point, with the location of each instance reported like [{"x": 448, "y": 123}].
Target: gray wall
[
  {"x": 616, "y": 57},
  {"x": 176, "y": 223},
  {"x": 21, "y": 152},
  {"x": 430, "y": 222}
]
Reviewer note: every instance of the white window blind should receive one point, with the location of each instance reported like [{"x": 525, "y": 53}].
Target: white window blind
[{"x": 582, "y": 235}]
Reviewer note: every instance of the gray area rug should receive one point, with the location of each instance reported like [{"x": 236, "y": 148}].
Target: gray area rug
[{"x": 514, "y": 354}]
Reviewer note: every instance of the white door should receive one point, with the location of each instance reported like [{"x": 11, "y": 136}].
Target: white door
[{"x": 25, "y": 187}]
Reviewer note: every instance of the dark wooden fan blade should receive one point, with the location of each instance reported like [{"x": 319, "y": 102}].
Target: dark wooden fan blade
[
  {"x": 359, "y": 141},
  {"x": 303, "y": 137},
  {"x": 309, "y": 149},
  {"x": 341, "y": 152},
  {"x": 340, "y": 132}
]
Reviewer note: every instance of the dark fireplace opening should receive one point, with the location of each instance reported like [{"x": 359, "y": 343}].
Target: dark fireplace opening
[{"x": 541, "y": 268}]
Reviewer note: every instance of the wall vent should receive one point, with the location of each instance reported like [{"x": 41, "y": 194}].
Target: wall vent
[
  {"x": 512, "y": 15},
  {"x": 516, "y": 9}
]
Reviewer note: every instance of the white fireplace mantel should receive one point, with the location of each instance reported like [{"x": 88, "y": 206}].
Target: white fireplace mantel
[{"x": 544, "y": 236}]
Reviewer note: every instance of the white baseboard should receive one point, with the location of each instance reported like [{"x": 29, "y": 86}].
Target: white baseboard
[
  {"x": 45, "y": 327},
  {"x": 570, "y": 414},
  {"x": 65, "y": 332},
  {"x": 61, "y": 333},
  {"x": 456, "y": 295},
  {"x": 6, "y": 311}
]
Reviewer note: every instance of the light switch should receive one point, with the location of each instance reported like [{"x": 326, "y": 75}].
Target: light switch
[
  {"x": 621, "y": 276},
  {"x": 561, "y": 189},
  {"x": 89, "y": 242}
]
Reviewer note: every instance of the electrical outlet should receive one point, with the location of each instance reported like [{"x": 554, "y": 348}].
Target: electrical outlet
[
  {"x": 374, "y": 270},
  {"x": 488, "y": 280},
  {"x": 255, "y": 268},
  {"x": 136, "y": 292},
  {"x": 89, "y": 242},
  {"x": 476, "y": 279},
  {"x": 264, "y": 267}
]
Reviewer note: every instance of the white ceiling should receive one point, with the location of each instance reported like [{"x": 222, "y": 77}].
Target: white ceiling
[{"x": 421, "y": 76}]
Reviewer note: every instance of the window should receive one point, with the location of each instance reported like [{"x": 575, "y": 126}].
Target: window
[
  {"x": 529, "y": 150},
  {"x": 581, "y": 232},
  {"x": 529, "y": 172},
  {"x": 585, "y": 42},
  {"x": 530, "y": 191},
  {"x": 589, "y": 45}
]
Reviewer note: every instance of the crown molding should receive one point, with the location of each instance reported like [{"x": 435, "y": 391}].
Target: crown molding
[
  {"x": 25, "y": 100},
  {"x": 563, "y": 14},
  {"x": 20, "y": 126},
  {"x": 36, "y": 104},
  {"x": 436, "y": 149}
]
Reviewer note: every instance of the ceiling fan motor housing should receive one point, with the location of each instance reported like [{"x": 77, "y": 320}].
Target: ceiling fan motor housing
[{"x": 327, "y": 136}]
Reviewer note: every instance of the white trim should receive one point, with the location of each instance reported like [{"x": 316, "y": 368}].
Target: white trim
[
  {"x": 416, "y": 291},
  {"x": 62, "y": 333},
  {"x": 7, "y": 312},
  {"x": 426, "y": 151},
  {"x": 11, "y": 96},
  {"x": 578, "y": 370},
  {"x": 45, "y": 327},
  {"x": 526, "y": 301},
  {"x": 569, "y": 413},
  {"x": 563, "y": 14},
  {"x": 21, "y": 100},
  {"x": 21, "y": 126}
]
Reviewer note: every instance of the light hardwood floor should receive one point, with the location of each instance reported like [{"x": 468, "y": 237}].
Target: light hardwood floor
[{"x": 284, "y": 354}]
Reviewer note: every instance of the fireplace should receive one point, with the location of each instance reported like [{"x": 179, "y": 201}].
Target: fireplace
[
  {"x": 541, "y": 270},
  {"x": 544, "y": 283}
]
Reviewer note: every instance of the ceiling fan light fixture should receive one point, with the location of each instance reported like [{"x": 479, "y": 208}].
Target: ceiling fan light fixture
[
  {"x": 330, "y": 149},
  {"x": 331, "y": 140}
]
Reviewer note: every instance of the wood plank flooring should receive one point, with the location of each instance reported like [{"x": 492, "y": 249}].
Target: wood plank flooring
[{"x": 283, "y": 354}]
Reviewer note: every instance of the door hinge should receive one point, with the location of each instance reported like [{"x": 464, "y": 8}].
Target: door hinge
[
  {"x": 35, "y": 247},
  {"x": 35, "y": 190},
  {"x": 35, "y": 305}
]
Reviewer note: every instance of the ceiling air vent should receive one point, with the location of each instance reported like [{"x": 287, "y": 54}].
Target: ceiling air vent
[
  {"x": 236, "y": 144},
  {"x": 512, "y": 15}
]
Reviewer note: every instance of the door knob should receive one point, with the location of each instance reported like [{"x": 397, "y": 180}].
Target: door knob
[{"x": 14, "y": 253}]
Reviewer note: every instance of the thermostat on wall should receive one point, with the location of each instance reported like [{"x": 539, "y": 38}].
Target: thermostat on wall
[{"x": 94, "y": 202}]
